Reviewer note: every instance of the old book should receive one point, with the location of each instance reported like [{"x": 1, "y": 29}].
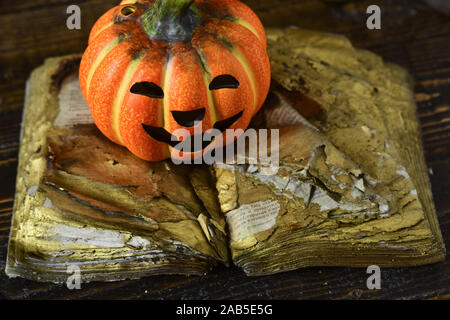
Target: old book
[
  {"x": 351, "y": 188},
  {"x": 84, "y": 200}
]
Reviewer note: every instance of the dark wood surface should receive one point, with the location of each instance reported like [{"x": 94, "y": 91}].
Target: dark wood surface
[{"x": 412, "y": 35}]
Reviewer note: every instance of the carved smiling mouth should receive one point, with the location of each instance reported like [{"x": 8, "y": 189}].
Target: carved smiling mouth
[{"x": 162, "y": 135}]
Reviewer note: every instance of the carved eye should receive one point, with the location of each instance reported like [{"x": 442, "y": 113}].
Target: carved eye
[
  {"x": 148, "y": 89},
  {"x": 224, "y": 81}
]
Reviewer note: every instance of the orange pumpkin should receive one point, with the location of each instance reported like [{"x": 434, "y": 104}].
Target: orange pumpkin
[{"x": 152, "y": 67}]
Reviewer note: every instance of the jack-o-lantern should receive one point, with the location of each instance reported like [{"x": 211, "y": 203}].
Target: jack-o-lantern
[{"x": 152, "y": 67}]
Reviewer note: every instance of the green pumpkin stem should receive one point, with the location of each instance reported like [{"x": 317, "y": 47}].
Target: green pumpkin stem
[{"x": 171, "y": 20}]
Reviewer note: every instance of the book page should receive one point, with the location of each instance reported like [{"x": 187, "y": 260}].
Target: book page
[
  {"x": 252, "y": 218},
  {"x": 73, "y": 108}
]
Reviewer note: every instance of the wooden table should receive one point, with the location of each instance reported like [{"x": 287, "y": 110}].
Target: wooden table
[{"x": 412, "y": 35}]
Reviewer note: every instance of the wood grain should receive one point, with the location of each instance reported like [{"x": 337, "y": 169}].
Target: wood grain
[{"x": 412, "y": 35}]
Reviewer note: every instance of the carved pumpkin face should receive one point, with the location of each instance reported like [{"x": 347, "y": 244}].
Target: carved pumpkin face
[{"x": 152, "y": 67}]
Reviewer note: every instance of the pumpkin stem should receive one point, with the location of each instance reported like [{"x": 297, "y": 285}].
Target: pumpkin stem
[{"x": 171, "y": 20}]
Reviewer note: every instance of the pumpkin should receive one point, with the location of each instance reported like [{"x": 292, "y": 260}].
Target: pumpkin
[{"x": 152, "y": 67}]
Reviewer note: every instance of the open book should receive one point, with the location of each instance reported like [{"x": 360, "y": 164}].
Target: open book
[{"x": 351, "y": 188}]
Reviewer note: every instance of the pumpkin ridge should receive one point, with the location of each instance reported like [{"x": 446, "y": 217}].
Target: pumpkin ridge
[
  {"x": 241, "y": 43},
  {"x": 104, "y": 85},
  {"x": 212, "y": 104},
  {"x": 98, "y": 60},
  {"x": 109, "y": 25},
  {"x": 243, "y": 61},
  {"x": 105, "y": 19},
  {"x": 166, "y": 74},
  {"x": 161, "y": 104},
  {"x": 120, "y": 95},
  {"x": 236, "y": 12},
  {"x": 247, "y": 25},
  {"x": 242, "y": 22},
  {"x": 228, "y": 44}
]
